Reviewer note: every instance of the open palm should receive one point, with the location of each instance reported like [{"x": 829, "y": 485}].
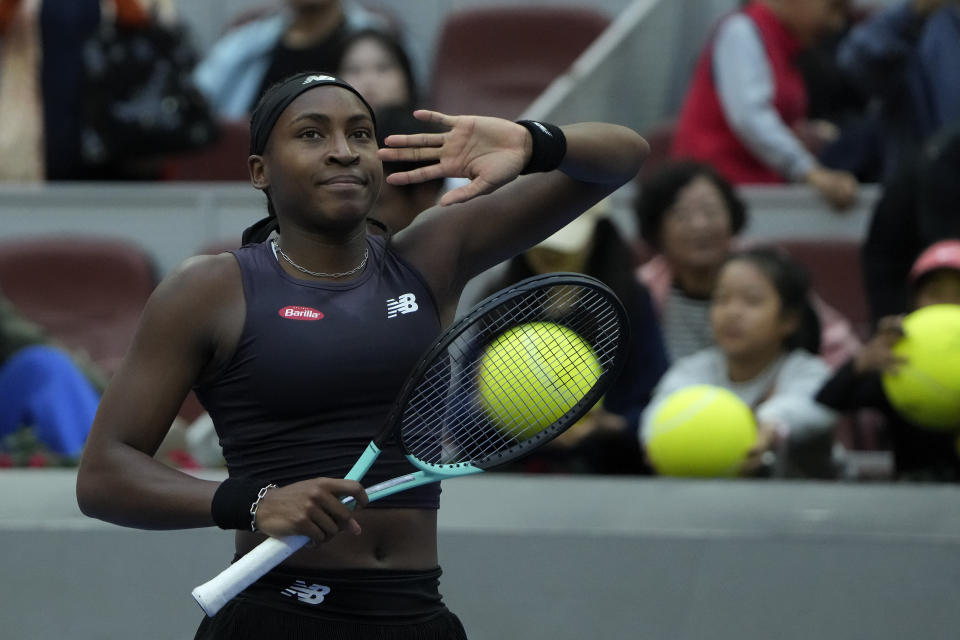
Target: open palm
[{"x": 489, "y": 151}]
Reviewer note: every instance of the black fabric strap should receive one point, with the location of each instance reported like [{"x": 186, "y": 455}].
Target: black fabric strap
[
  {"x": 549, "y": 146},
  {"x": 231, "y": 502}
]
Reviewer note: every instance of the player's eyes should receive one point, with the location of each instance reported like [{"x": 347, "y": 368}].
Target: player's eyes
[
  {"x": 309, "y": 134},
  {"x": 365, "y": 134}
]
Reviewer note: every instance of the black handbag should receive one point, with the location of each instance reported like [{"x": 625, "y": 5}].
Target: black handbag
[{"x": 139, "y": 98}]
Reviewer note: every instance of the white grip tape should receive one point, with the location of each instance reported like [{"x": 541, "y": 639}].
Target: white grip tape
[{"x": 216, "y": 592}]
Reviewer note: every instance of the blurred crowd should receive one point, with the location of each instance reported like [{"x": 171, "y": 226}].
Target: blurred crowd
[{"x": 826, "y": 93}]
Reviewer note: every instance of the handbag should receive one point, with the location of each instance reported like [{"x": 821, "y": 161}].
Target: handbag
[{"x": 139, "y": 97}]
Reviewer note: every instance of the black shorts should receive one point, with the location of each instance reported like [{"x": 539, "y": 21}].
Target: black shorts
[{"x": 357, "y": 603}]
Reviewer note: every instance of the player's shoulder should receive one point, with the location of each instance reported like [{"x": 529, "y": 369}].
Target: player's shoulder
[
  {"x": 206, "y": 268},
  {"x": 204, "y": 277}
]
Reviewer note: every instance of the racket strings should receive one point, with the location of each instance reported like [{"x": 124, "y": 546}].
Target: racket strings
[
  {"x": 447, "y": 422},
  {"x": 533, "y": 409}
]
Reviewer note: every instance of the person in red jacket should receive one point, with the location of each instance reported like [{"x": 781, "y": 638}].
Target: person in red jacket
[{"x": 745, "y": 112}]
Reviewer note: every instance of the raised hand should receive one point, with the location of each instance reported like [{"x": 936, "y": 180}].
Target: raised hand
[
  {"x": 489, "y": 151},
  {"x": 838, "y": 188}
]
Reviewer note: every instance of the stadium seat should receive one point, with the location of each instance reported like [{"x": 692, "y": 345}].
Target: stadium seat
[
  {"x": 496, "y": 60},
  {"x": 86, "y": 292}
]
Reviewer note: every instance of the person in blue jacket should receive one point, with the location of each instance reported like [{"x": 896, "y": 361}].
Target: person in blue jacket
[{"x": 908, "y": 57}]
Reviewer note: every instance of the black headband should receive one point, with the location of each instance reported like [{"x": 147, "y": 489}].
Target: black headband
[{"x": 279, "y": 97}]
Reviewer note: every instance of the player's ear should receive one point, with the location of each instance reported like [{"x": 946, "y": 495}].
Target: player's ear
[{"x": 259, "y": 175}]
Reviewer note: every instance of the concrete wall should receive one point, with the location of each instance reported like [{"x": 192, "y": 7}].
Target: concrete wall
[{"x": 546, "y": 558}]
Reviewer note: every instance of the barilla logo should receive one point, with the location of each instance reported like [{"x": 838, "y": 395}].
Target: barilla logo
[{"x": 300, "y": 313}]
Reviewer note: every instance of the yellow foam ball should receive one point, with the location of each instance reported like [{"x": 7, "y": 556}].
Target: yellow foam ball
[
  {"x": 701, "y": 431},
  {"x": 926, "y": 390},
  {"x": 532, "y": 374}
]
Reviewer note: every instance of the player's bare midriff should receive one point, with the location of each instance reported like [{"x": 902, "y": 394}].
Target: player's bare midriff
[{"x": 391, "y": 539}]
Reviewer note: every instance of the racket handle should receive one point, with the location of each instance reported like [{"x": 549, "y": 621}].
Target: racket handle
[{"x": 218, "y": 591}]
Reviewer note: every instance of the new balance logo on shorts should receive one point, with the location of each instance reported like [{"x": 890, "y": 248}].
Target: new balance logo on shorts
[
  {"x": 307, "y": 595},
  {"x": 406, "y": 303}
]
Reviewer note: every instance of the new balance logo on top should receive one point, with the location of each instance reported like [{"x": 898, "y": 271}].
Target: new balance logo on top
[
  {"x": 406, "y": 303},
  {"x": 307, "y": 595},
  {"x": 319, "y": 78}
]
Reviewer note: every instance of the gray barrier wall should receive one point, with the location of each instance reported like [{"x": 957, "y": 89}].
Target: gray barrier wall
[
  {"x": 173, "y": 221},
  {"x": 551, "y": 558}
]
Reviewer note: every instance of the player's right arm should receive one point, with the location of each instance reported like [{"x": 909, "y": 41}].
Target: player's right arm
[{"x": 188, "y": 330}]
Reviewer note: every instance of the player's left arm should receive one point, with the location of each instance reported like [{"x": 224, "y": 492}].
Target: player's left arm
[{"x": 501, "y": 213}]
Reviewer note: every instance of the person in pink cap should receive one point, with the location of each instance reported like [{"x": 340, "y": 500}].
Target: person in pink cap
[
  {"x": 935, "y": 276},
  {"x": 918, "y": 454}
]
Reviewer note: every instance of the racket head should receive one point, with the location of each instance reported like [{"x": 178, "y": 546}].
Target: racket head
[{"x": 520, "y": 368}]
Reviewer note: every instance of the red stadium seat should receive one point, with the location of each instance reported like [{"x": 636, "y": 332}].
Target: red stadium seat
[
  {"x": 87, "y": 293},
  {"x": 496, "y": 60}
]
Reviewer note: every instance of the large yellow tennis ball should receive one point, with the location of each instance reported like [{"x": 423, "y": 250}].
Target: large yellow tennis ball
[
  {"x": 701, "y": 430},
  {"x": 532, "y": 374},
  {"x": 926, "y": 390}
]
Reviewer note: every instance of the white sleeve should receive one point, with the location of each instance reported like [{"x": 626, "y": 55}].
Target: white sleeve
[
  {"x": 792, "y": 403},
  {"x": 745, "y": 86}
]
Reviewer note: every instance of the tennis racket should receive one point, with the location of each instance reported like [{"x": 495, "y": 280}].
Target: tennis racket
[{"x": 515, "y": 372}]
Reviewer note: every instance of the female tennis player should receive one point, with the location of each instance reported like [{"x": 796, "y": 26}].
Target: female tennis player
[{"x": 298, "y": 342}]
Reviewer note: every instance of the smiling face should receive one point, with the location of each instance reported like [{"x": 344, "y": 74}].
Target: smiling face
[
  {"x": 697, "y": 228},
  {"x": 320, "y": 164},
  {"x": 746, "y": 313}
]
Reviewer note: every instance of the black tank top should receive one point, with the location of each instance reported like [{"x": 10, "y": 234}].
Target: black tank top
[{"x": 317, "y": 369}]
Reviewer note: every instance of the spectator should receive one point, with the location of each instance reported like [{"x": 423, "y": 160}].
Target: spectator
[
  {"x": 691, "y": 216},
  {"x": 908, "y": 57},
  {"x": 43, "y": 90},
  {"x": 602, "y": 442},
  {"x": 918, "y": 207},
  {"x": 747, "y": 101},
  {"x": 305, "y": 35},
  {"x": 846, "y": 134},
  {"x": 48, "y": 400},
  {"x": 376, "y": 63},
  {"x": 766, "y": 336},
  {"x": 918, "y": 453}
]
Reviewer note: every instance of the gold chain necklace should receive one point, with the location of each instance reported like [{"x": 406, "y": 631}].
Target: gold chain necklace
[{"x": 319, "y": 274}]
